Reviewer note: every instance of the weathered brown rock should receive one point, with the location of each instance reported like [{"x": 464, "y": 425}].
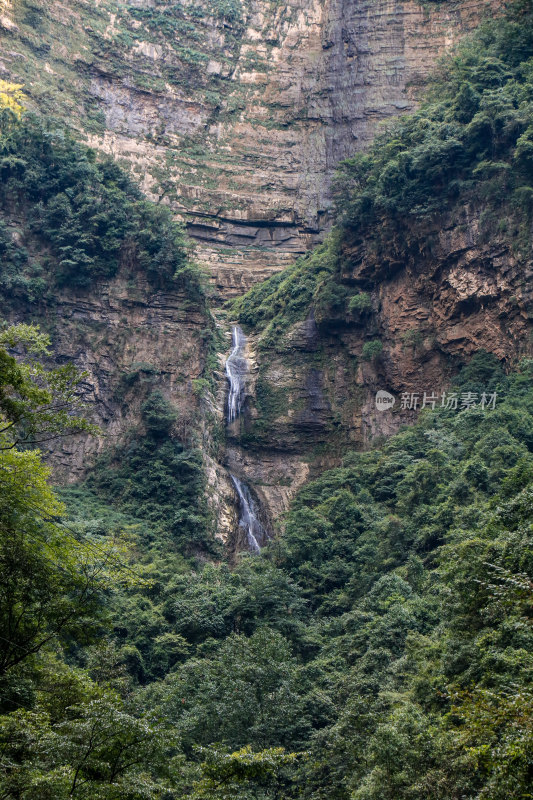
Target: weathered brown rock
[
  {"x": 237, "y": 124},
  {"x": 431, "y": 313},
  {"x": 129, "y": 339}
]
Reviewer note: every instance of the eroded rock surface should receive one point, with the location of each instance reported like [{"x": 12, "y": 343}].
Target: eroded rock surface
[
  {"x": 313, "y": 392},
  {"x": 236, "y": 119},
  {"x": 129, "y": 339}
]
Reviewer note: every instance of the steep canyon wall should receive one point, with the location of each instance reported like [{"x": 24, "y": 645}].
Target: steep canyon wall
[{"x": 235, "y": 115}]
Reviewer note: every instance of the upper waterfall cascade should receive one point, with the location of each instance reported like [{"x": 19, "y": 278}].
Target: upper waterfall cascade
[{"x": 236, "y": 369}]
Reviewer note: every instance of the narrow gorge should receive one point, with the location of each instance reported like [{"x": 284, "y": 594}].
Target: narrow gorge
[
  {"x": 266, "y": 399},
  {"x": 240, "y": 141}
]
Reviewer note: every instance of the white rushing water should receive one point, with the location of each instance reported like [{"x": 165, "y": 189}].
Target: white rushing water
[
  {"x": 236, "y": 369},
  {"x": 249, "y": 521}
]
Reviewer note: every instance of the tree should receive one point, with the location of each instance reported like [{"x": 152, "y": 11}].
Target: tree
[
  {"x": 245, "y": 692},
  {"x": 37, "y": 403},
  {"x": 11, "y": 97},
  {"x": 97, "y": 748},
  {"x": 61, "y": 734},
  {"x": 52, "y": 582},
  {"x": 244, "y": 774}
]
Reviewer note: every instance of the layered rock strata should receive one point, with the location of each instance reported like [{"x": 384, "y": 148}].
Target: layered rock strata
[{"x": 235, "y": 114}]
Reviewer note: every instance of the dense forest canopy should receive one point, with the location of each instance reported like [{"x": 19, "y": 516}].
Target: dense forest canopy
[{"x": 375, "y": 650}]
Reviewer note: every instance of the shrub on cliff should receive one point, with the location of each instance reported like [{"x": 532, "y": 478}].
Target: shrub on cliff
[{"x": 372, "y": 350}]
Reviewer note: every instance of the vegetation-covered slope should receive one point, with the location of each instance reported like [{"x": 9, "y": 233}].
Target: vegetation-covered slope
[
  {"x": 381, "y": 649},
  {"x": 465, "y": 156},
  {"x": 110, "y": 273},
  {"x": 415, "y": 558},
  {"x": 386, "y": 638},
  {"x": 77, "y": 218}
]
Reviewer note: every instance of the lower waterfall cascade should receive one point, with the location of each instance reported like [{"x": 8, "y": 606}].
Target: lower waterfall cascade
[
  {"x": 236, "y": 369},
  {"x": 255, "y": 532}
]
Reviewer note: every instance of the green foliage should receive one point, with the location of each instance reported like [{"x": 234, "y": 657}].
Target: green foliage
[
  {"x": 468, "y": 144},
  {"x": 216, "y": 602},
  {"x": 249, "y": 684},
  {"x": 482, "y": 373},
  {"x": 239, "y": 774},
  {"x": 61, "y": 734},
  {"x": 467, "y": 150},
  {"x": 372, "y": 350},
  {"x": 85, "y": 212},
  {"x": 287, "y": 296},
  {"x": 311, "y": 286},
  {"x": 158, "y": 415},
  {"x": 381, "y": 646},
  {"x": 170, "y": 20},
  {"x": 16, "y": 277},
  {"x": 49, "y": 585},
  {"x": 37, "y": 404},
  {"x": 230, "y": 10},
  {"x": 412, "y": 338},
  {"x": 78, "y": 739},
  {"x": 387, "y": 633},
  {"x": 416, "y": 559},
  {"x": 155, "y": 479},
  {"x": 360, "y": 303},
  {"x": 174, "y": 614},
  {"x": 271, "y": 401}
]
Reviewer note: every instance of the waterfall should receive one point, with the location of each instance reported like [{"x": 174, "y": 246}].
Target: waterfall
[
  {"x": 236, "y": 369},
  {"x": 249, "y": 520}
]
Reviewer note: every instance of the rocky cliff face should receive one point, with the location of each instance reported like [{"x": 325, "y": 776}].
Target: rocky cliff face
[
  {"x": 312, "y": 394},
  {"x": 235, "y": 115},
  {"x": 128, "y": 339}
]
